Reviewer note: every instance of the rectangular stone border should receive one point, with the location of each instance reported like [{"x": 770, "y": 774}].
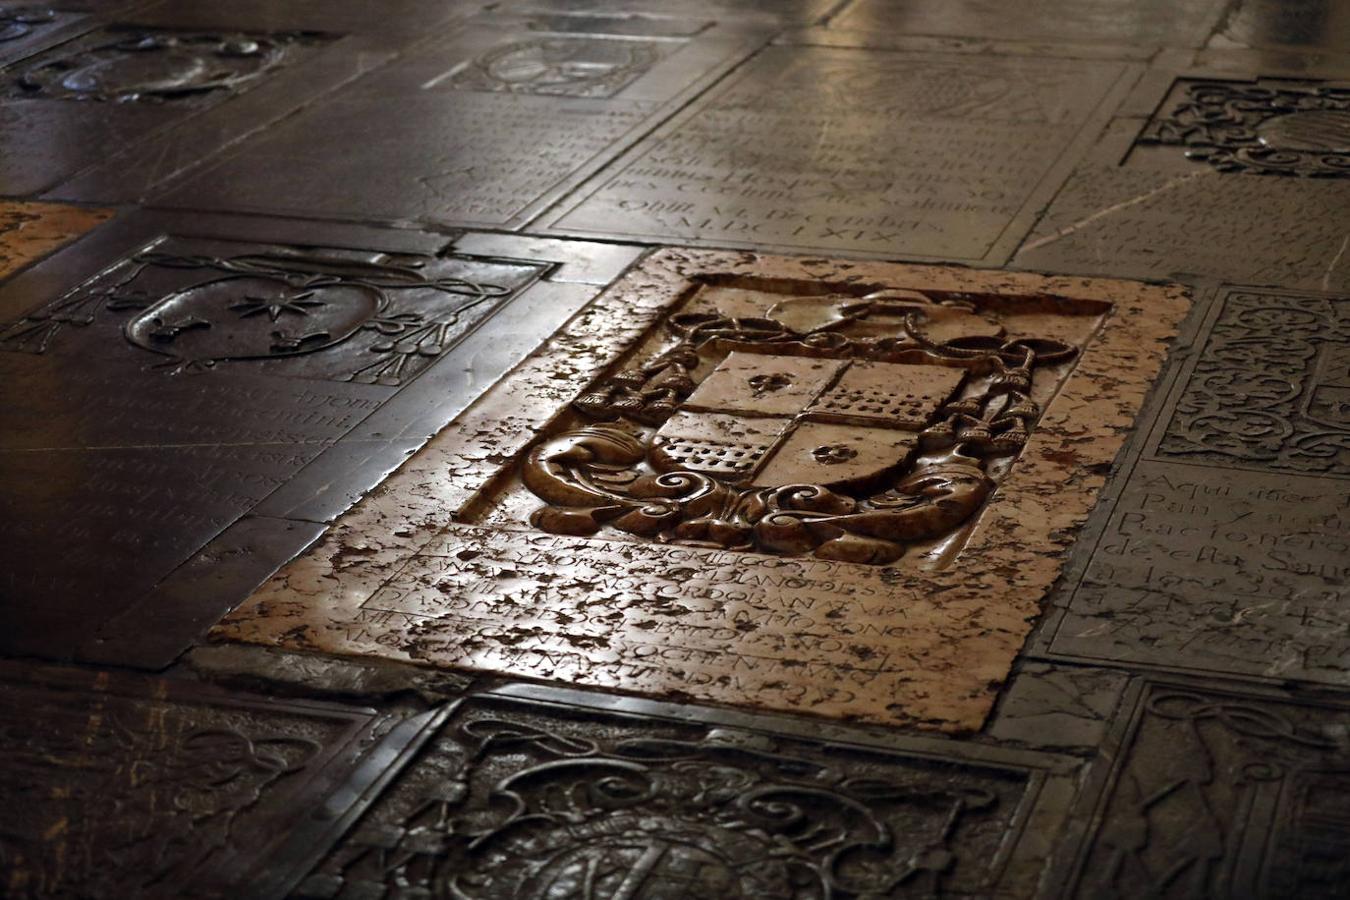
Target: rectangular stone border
[{"x": 311, "y": 603}]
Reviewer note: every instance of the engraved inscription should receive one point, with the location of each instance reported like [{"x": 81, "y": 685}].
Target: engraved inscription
[
  {"x": 520, "y": 801},
  {"x": 125, "y": 65},
  {"x": 564, "y": 66},
  {"x": 201, "y": 313},
  {"x": 1271, "y": 389},
  {"x": 891, "y": 417},
  {"x": 1218, "y": 793},
  {"x": 1263, "y": 128}
]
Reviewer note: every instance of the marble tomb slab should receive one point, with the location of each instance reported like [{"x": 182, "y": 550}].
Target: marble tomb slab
[
  {"x": 173, "y": 375},
  {"x": 162, "y": 789},
  {"x": 1224, "y": 544},
  {"x": 30, "y": 231},
  {"x": 1172, "y": 190},
  {"x": 579, "y": 523},
  {"x": 535, "y": 793},
  {"x": 484, "y": 127},
  {"x": 860, "y": 152},
  {"x": 1213, "y": 790}
]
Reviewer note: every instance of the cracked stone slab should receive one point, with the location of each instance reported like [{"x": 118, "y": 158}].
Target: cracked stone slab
[
  {"x": 1164, "y": 195},
  {"x": 474, "y": 556},
  {"x": 533, "y": 793}
]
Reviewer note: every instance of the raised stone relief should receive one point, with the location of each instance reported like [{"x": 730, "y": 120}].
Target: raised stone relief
[
  {"x": 1217, "y": 793},
  {"x": 790, "y": 482},
  {"x": 123, "y": 65},
  {"x": 1271, "y": 389},
  {"x": 524, "y": 801},
  {"x": 846, "y": 427},
  {"x": 201, "y": 313},
  {"x": 563, "y": 66},
  {"x": 1275, "y": 127}
]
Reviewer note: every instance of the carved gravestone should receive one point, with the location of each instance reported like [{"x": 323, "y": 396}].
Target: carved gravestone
[
  {"x": 930, "y": 155},
  {"x": 184, "y": 382},
  {"x": 806, "y": 483}
]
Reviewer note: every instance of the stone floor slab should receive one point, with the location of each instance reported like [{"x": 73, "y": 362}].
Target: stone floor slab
[
  {"x": 156, "y": 788},
  {"x": 537, "y": 796},
  {"x": 1214, "y": 790},
  {"x": 860, "y": 152},
  {"x": 1167, "y": 194},
  {"x": 506, "y": 119},
  {"x": 1185, "y": 23},
  {"x": 666, "y": 581},
  {"x": 1223, "y": 545},
  {"x": 174, "y": 382}
]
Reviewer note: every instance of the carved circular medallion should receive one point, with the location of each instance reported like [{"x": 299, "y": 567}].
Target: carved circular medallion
[
  {"x": 253, "y": 317},
  {"x": 1315, "y": 130}
]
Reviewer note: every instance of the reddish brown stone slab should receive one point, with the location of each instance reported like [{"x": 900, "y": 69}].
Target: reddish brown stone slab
[
  {"x": 29, "y": 231},
  {"x": 901, "y": 595}
]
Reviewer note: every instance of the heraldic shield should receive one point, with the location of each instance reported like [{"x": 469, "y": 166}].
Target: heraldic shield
[{"x": 848, "y": 428}]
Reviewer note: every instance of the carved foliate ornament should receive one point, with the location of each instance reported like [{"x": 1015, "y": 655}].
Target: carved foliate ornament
[{"x": 844, "y": 427}]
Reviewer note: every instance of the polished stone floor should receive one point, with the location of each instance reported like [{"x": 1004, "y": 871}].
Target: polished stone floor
[{"x": 621, "y": 450}]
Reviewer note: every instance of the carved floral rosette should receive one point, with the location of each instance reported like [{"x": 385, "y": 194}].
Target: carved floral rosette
[{"x": 846, "y": 427}]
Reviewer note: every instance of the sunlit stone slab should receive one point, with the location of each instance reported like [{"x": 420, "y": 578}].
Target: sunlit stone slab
[
  {"x": 29, "y": 231},
  {"x": 891, "y": 575}
]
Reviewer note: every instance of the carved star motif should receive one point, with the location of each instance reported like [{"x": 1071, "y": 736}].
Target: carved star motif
[{"x": 298, "y": 304}]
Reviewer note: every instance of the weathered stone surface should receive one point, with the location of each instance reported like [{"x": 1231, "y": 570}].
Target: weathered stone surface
[
  {"x": 166, "y": 397},
  {"x": 117, "y": 787},
  {"x": 1064, "y": 707},
  {"x": 1216, "y": 791},
  {"x": 505, "y": 118},
  {"x": 1226, "y": 547},
  {"x": 523, "y": 799},
  {"x": 1184, "y": 23},
  {"x": 29, "y": 231},
  {"x": 828, "y": 621},
  {"x": 1304, "y": 24},
  {"x": 1193, "y": 197},
  {"x": 928, "y": 155}
]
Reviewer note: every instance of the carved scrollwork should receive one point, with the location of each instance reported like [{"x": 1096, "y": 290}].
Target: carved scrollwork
[
  {"x": 631, "y": 471},
  {"x": 1260, "y": 129},
  {"x": 1270, "y": 387}
]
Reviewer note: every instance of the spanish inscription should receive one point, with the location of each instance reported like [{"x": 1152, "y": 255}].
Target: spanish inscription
[
  {"x": 1219, "y": 793},
  {"x": 523, "y": 801},
  {"x": 857, "y": 151},
  {"x": 1263, "y": 128},
  {"x": 564, "y": 66},
  {"x": 625, "y": 515},
  {"x": 125, "y": 65}
]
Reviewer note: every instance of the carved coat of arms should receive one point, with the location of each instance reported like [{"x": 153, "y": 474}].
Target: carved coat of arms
[{"x": 850, "y": 428}]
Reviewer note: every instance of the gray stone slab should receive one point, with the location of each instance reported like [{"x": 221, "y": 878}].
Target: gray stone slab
[
  {"x": 1215, "y": 791},
  {"x": 860, "y": 152},
  {"x": 27, "y": 27},
  {"x": 1063, "y": 707},
  {"x": 555, "y": 793},
  {"x": 1184, "y": 23},
  {"x": 189, "y": 379},
  {"x": 480, "y": 129},
  {"x": 726, "y": 11},
  {"x": 1171, "y": 191},
  {"x": 1224, "y": 544}
]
